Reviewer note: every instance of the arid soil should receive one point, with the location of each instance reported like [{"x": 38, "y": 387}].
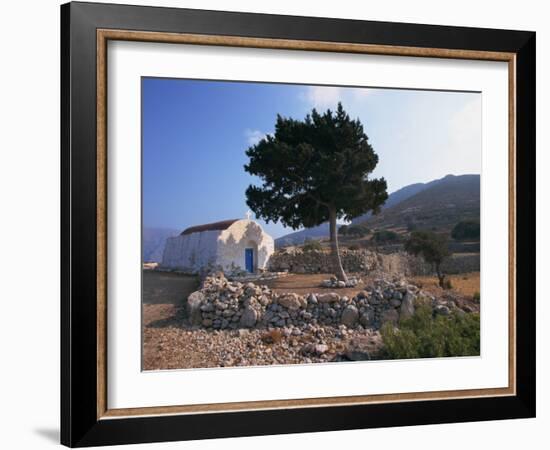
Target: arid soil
[
  {"x": 465, "y": 283},
  {"x": 310, "y": 283},
  {"x": 169, "y": 342},
  {"x": 176, "y": 346}
]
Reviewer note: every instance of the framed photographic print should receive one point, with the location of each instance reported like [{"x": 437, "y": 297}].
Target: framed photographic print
[{"x": 276, "y": 224}]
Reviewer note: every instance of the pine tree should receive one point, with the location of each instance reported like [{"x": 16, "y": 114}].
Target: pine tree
[{"x": 313, "y": 171}]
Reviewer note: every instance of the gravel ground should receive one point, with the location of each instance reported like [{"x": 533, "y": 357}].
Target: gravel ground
[{"x": 169, "y": 342}]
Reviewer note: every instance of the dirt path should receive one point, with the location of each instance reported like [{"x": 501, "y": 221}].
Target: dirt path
[
  {"x": 167, "y": 287},
  {"x": 308, "y": 283}
]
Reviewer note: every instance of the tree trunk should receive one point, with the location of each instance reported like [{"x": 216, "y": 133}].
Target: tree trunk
[
  {"x": 440, "y": 276},
  {"x": 335, "y": 252}
]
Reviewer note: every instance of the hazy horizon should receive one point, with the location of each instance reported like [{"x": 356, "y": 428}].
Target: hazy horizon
[{"x": 285, "y": 230}]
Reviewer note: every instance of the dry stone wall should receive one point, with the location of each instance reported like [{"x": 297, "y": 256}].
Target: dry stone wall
[
  {"x": 318, "y": 261},
  {"x": 365, "y": 261},
  {"x": 408, "y": 265},
  {"x": 221, "y": 304}
]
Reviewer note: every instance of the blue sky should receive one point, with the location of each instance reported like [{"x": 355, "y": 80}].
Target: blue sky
[{"x": 196, "y": 132}]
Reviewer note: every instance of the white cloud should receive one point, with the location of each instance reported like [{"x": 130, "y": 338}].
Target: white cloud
[
  {"x": 253, "y": 136},
  {"x": 324, "y": 97}
]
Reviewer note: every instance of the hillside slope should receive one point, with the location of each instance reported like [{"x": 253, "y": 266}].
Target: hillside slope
[
  {"x": 153, "y": 242},
  {"x": 322, "y": 231},
  {"x": 299, "y": 237},
  {"x": 437, "y": 203},
  {"x": 440, "y": 206}
]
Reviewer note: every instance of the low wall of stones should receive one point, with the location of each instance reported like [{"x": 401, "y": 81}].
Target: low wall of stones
[
  {"x": 365, "y": 261},
  {"x": 408, "y": 265},
  {"x": 318, "y": 261},
  {"x": 221, "y": 304},
  {"x": 461, "y": 263}
]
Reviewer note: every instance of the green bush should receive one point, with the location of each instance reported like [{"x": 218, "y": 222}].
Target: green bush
[
  {"x": 476, "y": 297},
  {"x": 356, "y": 230},
  {"x": 425, "y": 336},
  {"x": 311, "y": 245},
  {"x": 343, "y": 229},
  {"x": 467, "y": 229},
  {"x": 385, "y": 236},
  {"x": 433, "y": 248},
  {"x": 411, "y": 226}
]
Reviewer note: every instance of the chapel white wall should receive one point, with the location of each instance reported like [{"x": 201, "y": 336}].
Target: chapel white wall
[
  {"x": 191, "y": 252},
  {"x": 233, "y": 242},
  {"x": 217, "y": 249}
]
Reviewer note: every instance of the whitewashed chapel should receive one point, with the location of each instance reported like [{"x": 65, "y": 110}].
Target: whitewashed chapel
[{"x": 229, "y": 245}]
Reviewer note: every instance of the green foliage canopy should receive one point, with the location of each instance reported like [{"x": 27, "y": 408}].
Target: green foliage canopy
[
  {"x": 358, "y": 230},
  {"x": 466, "y": 229},
  {"x": 431, "y": 246},
  {"x": 383, "y": 236},
  {"x": 312, "y": 168}
]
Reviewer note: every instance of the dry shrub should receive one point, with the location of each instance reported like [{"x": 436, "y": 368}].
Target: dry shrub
[{"x": 272, "y": 337}]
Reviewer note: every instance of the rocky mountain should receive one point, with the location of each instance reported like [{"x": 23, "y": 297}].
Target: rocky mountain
[
  {"x": 153, "y": 240},
  {"x": 398, "y": 196},
  {"x": 439, "y": 196},
  {"x": 440, "y": 205}
]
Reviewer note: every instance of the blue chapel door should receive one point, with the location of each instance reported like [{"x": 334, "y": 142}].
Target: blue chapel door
[{"x": 249, "y": 259}]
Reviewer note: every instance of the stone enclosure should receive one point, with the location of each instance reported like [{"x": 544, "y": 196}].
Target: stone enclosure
[
  {"x": 222, "y": 304},
  {"x": 296, "y": 260}
]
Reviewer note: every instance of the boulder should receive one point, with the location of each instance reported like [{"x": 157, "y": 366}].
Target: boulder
[
  {"x": 249, "y": 317},
  {"x": 314, "y": 349},
  {"x": 264, "y": 300},
  {"x": 253, "y": 290},
  {"x": 391, "y": 315},
  {"x": 350, "y": 315},
  {"x": 312, "y": 298},
  {"x": 366, "y": 318},
  {"x": 194, "y": 303},
  {"x": 357, "y": 355},
  {"x": 207, "y": 307},
  {"x": 395, "y": 303},
  {"x": 320, "y": 349},
  {"x": 329, "y": 297},
  {"x": 292, "y": 301},
  {"x": 407, "y": 306}
]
